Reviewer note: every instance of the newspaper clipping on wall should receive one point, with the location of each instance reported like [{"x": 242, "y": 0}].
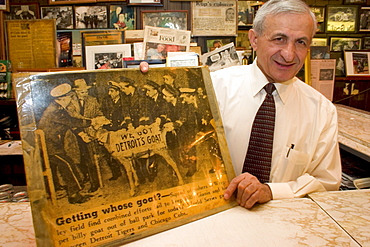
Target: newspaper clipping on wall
[
  {"x": 323, "y": 76},
  {"x": 31, "y": 43},
  {"x": 112, "y": 156},
  {"x": 214, "y": 18},
  {"x": 220, "y": 58},
  {"x": 158, "y": 41}
]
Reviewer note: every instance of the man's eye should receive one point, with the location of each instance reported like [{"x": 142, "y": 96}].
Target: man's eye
[{"x": 302, "y": 42}]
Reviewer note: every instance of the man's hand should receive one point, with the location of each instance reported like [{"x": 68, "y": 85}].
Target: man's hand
[
  {"x": 249, "y": 190},
  {"x": 144, "y": 67}
]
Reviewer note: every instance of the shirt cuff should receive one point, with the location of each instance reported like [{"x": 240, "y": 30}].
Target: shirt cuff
[{"x": 280, "y": 191}]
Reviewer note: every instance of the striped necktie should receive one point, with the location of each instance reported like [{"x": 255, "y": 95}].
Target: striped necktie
[{"x": 259, "y": 155}]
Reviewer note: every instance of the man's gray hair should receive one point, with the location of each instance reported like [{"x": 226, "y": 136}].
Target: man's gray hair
[{"x": 275, "y": 7}]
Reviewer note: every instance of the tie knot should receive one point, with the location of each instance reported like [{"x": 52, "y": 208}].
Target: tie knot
[{"x": 269, "y": 88}]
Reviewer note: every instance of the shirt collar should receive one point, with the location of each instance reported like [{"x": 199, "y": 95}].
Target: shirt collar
[{"x": 259, "y": 81}]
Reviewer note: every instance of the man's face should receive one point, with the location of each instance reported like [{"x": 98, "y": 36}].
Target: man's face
[
  {"x": 168, "y": 96},
  {"x": 113, "y": 93},
  {"x": 151, "y": 92},
  {"x": 160, "y": 48},
  {"x": 282, "y": 48},
  {"x": 81, "y": 94},
  {"x": 230, "y": 14}
]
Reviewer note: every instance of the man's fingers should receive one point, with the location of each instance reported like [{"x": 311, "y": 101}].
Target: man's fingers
[{"x": 233, "y": 186}]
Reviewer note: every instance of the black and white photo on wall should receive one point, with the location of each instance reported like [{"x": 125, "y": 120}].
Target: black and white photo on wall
[
  {"x": 345, "y": 43},
  {"x": 365, "y": 19},
  {"x": 91, "y": 17},
  {"x": 63, "y": 16},
  {"x": 341, "y": 18},
  {"x": 26, "y": 11}
]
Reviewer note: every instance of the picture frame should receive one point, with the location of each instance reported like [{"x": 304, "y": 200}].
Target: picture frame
[
  {"x": 63, "y": 16},
  {"x": 206, "y": 23},
  {"x": 91, "y": 17},
  {"x": 106, "y": 56},
  {"x": 357, "y": 63},
  {"x": 340, "y": 68},
  {"x": 100, "y": 37},
  {"x": 319, "y": 12},
  {"x": 174, "y": 19},
  {"x": 364, "y": 25},
  {"x": 4, "y": 5},
  {"x": 27, "y": 47},
  {"x": 122, "y": 17},
  {"x": 173, "y": 193},
  {"x": 247, "y": 11},
  {"x": 319, "y": 42},
  {"x": 27, "y": 11},
  {"x": 217, "y": 42},
  {"x": 242, "y": 40},
  {"x": 145, "y": 2},
  {"x": 65, "y": 49},
  {"x": 341, "y": 19},
  {"x": 345, "y": 43},
  {"x": 356, "y": 2},
  {"x": 366, "y": 43},
  {"x": 57, "y": 2}
]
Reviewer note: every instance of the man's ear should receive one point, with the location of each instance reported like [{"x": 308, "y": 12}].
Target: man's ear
[{"x": 253, "y": 38}]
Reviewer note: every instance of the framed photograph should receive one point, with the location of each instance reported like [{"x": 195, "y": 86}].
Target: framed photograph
[
  {"x": 214, "y": 18},
  {"x": 91, "y": 17},
  {"x": 139, "y": 183},
  {"x": 4, "y": 5},
  {"x": 357, "y": 63},
  {"x": 344, "y": 43},
  {"x": 319, "y": 13},
  {"x": 29, "y": 11},
  {"x": 340, "y": 68},
  {"x": 319, "y": 42},
  {"x": 217, "y": 42},
  {"x": 366, "y": 43},
  {"x": 99, "y": 38},
  {"x": 106, "y": 56},
  {"x": 364, "y": 19},
  {"x": 356, "y": 2},
  {"x": 341, "y": 19},
  {"x": 177, "y": 19},
  {"x": 70, "y": 1},
  {"x": 63, "y": 16},
  {"x": 319, "y": 52},
  {"x": 145, "y": 2},
  {"x": 122, "y": 17},
  {"x": 242, "y": 40},
  {"x": 246, "y": 12}
]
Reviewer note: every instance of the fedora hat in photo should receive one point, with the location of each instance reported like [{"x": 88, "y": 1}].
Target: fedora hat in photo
[{"x": 80, "y": 84}]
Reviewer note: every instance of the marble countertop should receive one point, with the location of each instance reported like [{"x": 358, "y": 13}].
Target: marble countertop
[
  {"x": 294, "y": 222},
  {"x": 354, "y": 128},
  {"x": 350, "y": 209}
]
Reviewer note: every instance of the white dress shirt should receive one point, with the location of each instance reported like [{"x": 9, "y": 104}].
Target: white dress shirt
[{"x": 304, "y": 118}]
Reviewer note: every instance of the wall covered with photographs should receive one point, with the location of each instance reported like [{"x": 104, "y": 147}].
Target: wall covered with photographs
[{"x": 343, "y": 24}]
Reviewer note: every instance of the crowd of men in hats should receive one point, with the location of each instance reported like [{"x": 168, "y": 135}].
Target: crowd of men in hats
[{"x": 182, "y": 112}]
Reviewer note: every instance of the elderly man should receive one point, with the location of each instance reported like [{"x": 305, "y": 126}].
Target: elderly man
[{"x": 304, "y": 155}]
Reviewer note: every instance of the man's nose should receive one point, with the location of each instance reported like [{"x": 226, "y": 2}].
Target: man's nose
[{"x": 288, "y": 52}]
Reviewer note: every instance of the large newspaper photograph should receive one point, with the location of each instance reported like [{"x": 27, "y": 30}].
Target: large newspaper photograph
[
  {"x": 214, "y": 18},
  {"x": 159, "y": 41},
  {"x": 112, "y": 156}
]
